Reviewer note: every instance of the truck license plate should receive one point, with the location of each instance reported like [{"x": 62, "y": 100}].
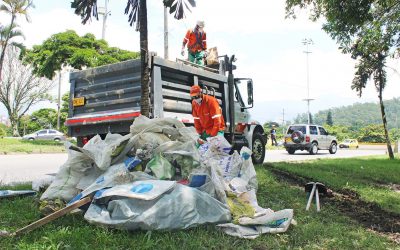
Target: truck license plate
[
  {"x": 79, "y": 101},
  {"x": 288, "y": 140}
]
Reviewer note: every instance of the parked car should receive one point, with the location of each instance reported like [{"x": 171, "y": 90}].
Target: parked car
[
  {"x": 45, "y": 134},
  {"x": 349, "y": 143},
  {"x": 309, "y": 137}
]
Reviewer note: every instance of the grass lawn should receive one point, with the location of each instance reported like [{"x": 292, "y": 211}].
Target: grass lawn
[
  {"x": 374, "y": 179},
  {"x": 11, "y": 145},
  {"x": 329, "y": 229}
]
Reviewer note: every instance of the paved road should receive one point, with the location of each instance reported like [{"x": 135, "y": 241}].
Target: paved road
[
  {"x": 282, "y": 155},
  {"x": 26, "y": 168}
]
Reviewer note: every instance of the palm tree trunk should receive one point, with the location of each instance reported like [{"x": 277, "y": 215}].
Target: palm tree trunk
[
  {"x": 3, "y": 50},
  {"x": 389, "y": 145},
  {"x": 144, "y": 57}
]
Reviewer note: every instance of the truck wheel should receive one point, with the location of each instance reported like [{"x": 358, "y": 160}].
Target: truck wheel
[
  {"x": 291, "y": 151},
  {"x": 314, "y": 148},
  {"x": 333, "y": 148},
  {"x": 258, "y": 146}
]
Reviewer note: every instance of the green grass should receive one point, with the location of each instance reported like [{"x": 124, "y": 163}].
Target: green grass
[
  {"x": 11, "y": 145},
  {"x": 325, "y": 230},
  {"x": 370, "y": 177}
]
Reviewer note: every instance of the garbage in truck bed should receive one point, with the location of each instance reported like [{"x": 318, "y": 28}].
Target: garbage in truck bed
[{"x": 156, "y": 178}]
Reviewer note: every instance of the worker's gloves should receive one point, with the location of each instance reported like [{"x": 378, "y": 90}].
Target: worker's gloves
[{"x": 183, "y": 52}]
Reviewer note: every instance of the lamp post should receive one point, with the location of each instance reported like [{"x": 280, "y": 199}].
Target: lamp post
[
  {"x": 165, "y": 33},
  {"x": 104, "y": 11},
  {"x": 307, "y": 42}
]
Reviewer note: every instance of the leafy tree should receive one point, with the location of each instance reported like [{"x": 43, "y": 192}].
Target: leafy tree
[
  {"x": 20, "y": 88},
  {"x": 44, "y": 118},
  {"x": 137, "y": 10},
  {"x": 329, "y": 119},
  {"x": 341, "y": 132},
  {"x": 68, "y": 48},
  {"x": 9, "y": 32},
  {"x": 368, "y": 30},
  {"x": 395, "y": 134},
  {"x": 372, "y": 133}
]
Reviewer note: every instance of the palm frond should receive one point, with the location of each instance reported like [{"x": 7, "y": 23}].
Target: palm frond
[
  {"x": 133, "y": 8},
  {"x": 179, "y": 7},
  {"x": 86, "y": 9}
]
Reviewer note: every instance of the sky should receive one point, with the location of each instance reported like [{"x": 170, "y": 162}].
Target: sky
[{"x": 268, "y": 47}]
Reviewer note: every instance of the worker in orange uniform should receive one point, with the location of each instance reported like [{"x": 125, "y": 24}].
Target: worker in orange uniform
[
  {"x": 196, "y": 44},
  {"x": 207, "y": 114}
]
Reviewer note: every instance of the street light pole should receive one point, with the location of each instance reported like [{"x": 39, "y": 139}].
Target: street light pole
[
  {"x": 308, "y": 41},
  {"x": 165, "y": 33},
  {"x": 59, "y": 100},
  {"x": 105, "y": 15}
]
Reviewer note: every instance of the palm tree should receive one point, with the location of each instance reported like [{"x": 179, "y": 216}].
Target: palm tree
[
  {"x": 137, "y": 11},
  {"x": 12, "y": 8}
]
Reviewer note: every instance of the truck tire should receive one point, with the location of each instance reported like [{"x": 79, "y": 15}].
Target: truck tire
[{"x": 258, "y": 147}]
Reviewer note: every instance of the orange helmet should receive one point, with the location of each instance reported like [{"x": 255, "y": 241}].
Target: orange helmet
[{"x": 195, "y": 90}]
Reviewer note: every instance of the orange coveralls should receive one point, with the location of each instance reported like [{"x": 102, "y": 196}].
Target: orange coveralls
[
  {"x": 208, "y": 116},
  {"x": 195, "y": 44}
]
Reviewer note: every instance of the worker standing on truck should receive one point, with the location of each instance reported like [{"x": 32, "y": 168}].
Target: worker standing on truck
[
  {"x": 196, "y": 44},
  {"x": 207, "y": 114}
]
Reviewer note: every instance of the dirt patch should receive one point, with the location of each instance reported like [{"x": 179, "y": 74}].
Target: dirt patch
[{"x": 370, "y": 215}]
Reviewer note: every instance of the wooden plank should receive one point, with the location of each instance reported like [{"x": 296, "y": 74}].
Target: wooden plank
[{"x": 52, "y": 216}]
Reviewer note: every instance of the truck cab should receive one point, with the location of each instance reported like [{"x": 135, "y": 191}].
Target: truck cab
[{"x": 106, "y": 99}]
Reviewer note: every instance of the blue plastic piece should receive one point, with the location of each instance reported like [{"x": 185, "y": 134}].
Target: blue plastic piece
[
  {"x": 100, "y": 180},
  {"x": 197, "y": 180},
  {"x": 131, "y": 163},
  {"x": 142, "y": 188},
  {"x": 76, "y": 198}
]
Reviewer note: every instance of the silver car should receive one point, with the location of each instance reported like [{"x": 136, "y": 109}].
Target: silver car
[
  {"x": 309, "y": 137},
  {"x": 45, "y": 134}
]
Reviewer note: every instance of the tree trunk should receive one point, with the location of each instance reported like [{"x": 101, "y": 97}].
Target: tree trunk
[
  {"x": 389, "y": 145},
  {"x": 144, "y": 57},
  {"x": 14, "y": 126}
]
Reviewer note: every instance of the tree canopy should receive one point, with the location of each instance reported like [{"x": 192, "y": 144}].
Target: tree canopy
[
  {"x": 68, "y": 48},
  {"x": 368, "y": 30}
]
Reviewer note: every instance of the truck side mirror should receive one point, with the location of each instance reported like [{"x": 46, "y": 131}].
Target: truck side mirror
[{"x": 250, "y": 92}]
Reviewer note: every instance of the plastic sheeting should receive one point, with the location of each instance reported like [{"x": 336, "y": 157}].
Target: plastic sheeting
[
  {"x": 182, "y": 208},
  {"x": 109, "y": 170}
]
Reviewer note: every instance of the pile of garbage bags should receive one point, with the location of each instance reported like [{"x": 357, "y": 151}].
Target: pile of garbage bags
[{"x": 156, "y": 177}]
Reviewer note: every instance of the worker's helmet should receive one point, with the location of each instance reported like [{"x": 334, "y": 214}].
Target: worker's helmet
[
  {"x": 195, "y": 90},
  {"x": 200, "y": 24}
]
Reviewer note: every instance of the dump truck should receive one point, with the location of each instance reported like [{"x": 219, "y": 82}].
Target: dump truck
[{"x": 106, "y": 99}]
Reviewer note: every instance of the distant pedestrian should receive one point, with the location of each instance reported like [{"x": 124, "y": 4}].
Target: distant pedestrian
[{"x": 273, "y": 136}]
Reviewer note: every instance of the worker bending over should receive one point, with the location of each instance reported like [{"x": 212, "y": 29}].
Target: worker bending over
[{"x": 207, "y": 114}]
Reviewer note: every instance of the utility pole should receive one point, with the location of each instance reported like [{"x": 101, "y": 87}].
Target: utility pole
[
  {"x": 283, "y": 121},
  {"x": 165, "y": 33},
  {"x": 59, "y": 101},
  {"x": 308, "y": 41},
  {"x": 105, "y": 14}
]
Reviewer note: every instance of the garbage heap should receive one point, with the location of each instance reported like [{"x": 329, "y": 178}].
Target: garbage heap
[{"x": 156, "y": 178}]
